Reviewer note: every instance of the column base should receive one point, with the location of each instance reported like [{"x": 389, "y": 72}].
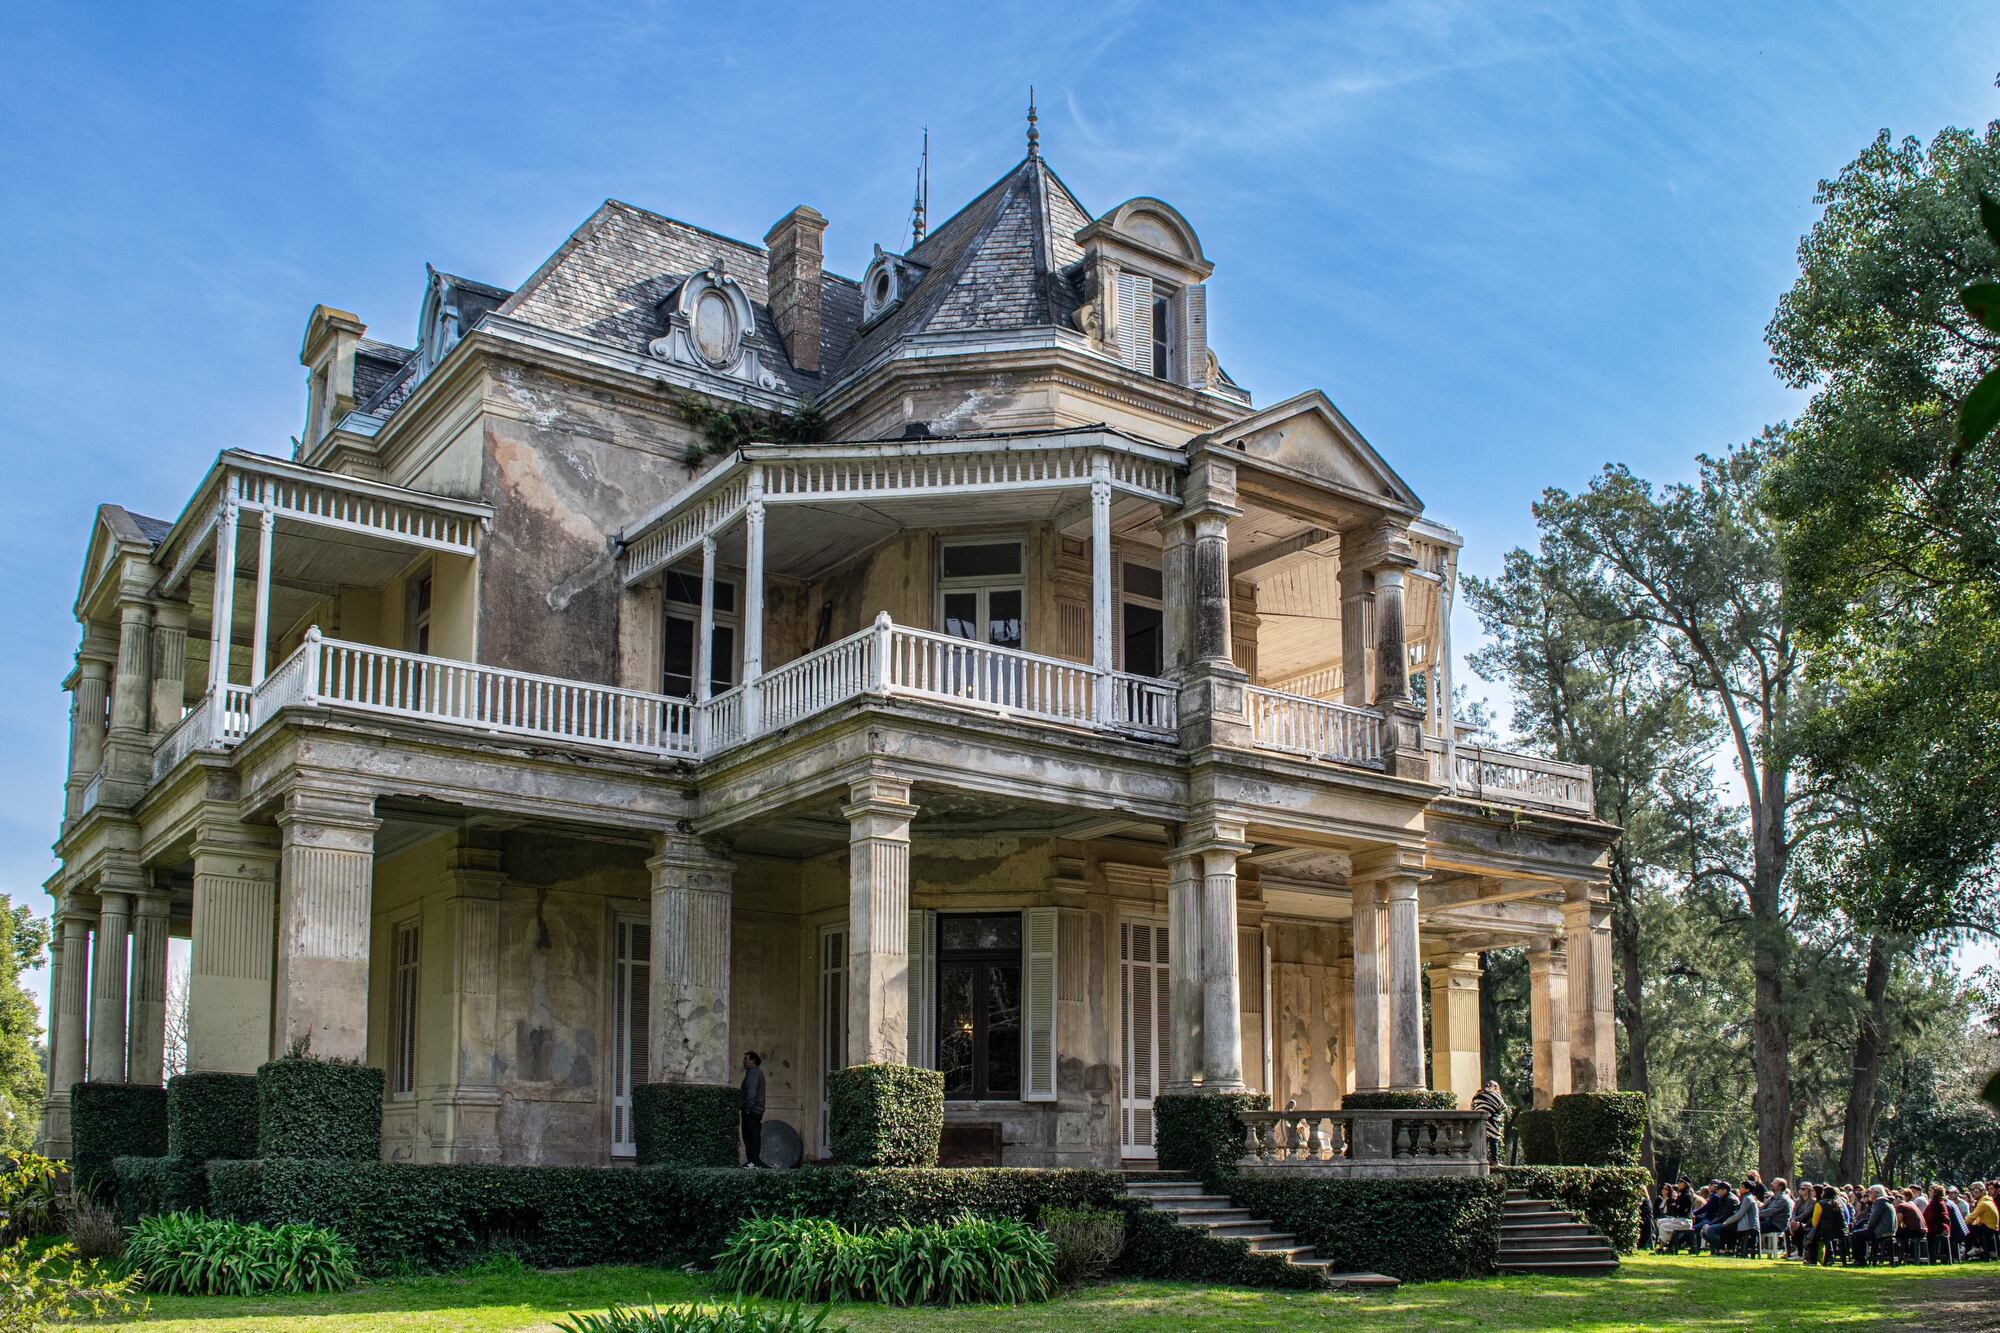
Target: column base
[
  {"x": 52, "y": 1140},
  {"x": 465, "y": 1125}
]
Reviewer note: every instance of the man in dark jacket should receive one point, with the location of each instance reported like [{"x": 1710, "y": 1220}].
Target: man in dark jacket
[
  {"x": 753, "y": 1109},
  {"x": 1875, "y": 1231},
  {"x": 1714, "y": 1212}
]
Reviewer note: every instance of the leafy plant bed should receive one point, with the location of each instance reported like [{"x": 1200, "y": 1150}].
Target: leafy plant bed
[
  {"x": 211, "y": 1256},
  {"x": 969, "y": 1261}
]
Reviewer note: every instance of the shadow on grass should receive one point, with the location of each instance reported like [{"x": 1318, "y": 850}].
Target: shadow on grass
[{"x": 545, "y": 1293}]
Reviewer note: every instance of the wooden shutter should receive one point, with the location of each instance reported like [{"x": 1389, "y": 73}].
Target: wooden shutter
[
  {"x": 403, "y": 1023},
  {"x": 1038, "y": 994},
  {"x": 1135, "y": 321},
  {"x": 1190, "y": 355},
  {"x": 923, "y": 990}
]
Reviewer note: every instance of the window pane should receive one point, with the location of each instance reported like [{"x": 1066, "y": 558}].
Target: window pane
[
  {"x": 1142, "y": 582},
  {"x": 1003, "y": 618},
  {"x": 1002, "y": 1038},
  {"x": 682, "y": 587},
  {"x": 961, "y": 615},
  {"x": 955, "y": 1027},
  {"x": 979, "y": 934},
  {"x": 1162, "y": 314},
  {"x": 722, "y": 659},
  {"x": 982, "y": 560},
  {"x": 677, "y": 658},
  {"x": 1143, "y": 642},
  {"x": 725, "y": 596}
]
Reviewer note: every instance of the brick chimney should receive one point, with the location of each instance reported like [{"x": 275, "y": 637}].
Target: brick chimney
[{"x": 795, "y": 261}]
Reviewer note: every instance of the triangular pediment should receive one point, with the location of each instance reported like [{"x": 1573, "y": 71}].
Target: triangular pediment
[{"x": 1307, "y": 436}]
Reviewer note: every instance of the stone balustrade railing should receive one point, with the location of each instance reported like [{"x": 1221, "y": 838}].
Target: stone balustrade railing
[{"x": 1365, "y": 1143}]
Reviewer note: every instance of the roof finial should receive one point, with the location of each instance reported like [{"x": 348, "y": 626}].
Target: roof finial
[
  {"x": 921, "y": 207},
  {"x": 1034, "y": 135}
]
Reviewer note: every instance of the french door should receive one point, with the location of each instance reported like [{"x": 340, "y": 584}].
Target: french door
[
  {"x": 631, "y": 997},
  {"x": 832, "y": 1020},
  {"x": 1143, "y": 992}
]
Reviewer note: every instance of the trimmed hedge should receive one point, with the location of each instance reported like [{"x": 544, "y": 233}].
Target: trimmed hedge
[
  {"x": 885, "y": 1115},
  {"x": 1599, "y": 1128},
  {"x": 1197, "y": 1133},
  {"x": 1156, "y": 1247},
  {"x": 212, "y": 1115},
  {"x": 1607, "y": 1197},
  {"x": 686, "y": 1124},
  {"x": 319, "y": 1108},
  {"x": 1399, "y": 1101},
  {"x": 1537, "y": 1132},
  {"x": 149, "y": 1186},
  {"x": 1423, "y": 1230},
  {"x": 440, "y": 1216},
  {"x": 112, "y": 1120}
]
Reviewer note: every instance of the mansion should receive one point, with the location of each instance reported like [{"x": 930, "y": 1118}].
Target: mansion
[{"x": 691, "y": 650}]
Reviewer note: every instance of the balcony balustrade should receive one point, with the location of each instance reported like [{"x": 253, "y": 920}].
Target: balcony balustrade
[
  {"x": 1481, "y": 773},
  {"x": 1364, "y": 1143}
]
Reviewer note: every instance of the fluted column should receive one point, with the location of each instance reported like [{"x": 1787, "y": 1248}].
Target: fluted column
[
  {"x": 326, "y": 872},
  {"x": 1548, "y": 1020},
  {"x": 55, "y": 1114},
  {"x": 1211, "y": 588},
  {"x": 107, "y": 987},
  {"x": 72, "y": 1047},
  {"x": 232, "y": 946},
  {"x": 1370, "y": 1020},
  {"x": 1343, "y": 987},
  {"x": 131, "y": 686},
  {"x": 170, "y": 622},
  {"x": 1356, "y": 599},
  {"x": 146, "y": 1032},
  {"x": 1392, "y": 663},
  {"x": 1406, "y": 984},
  {"x": 1455, "y": 1063},
  {"x": 1185, "y": 998},
  {"x": 1217, "y": 844},
  {"x": 690, "y": 983},
  {"x": 878, "y": 921},
  {"x": 89, "y": 697},
  {"x": 1593, "y": 1055},
  {"x": 466, "y": 1111}
]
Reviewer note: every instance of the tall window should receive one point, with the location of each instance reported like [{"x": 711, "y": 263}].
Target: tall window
[
  {"x": 1163, "y": 315},
  {"x": 681, "y": 628},
  {"x": 403, "y": 1015},
  {"x": 982, "y": 592},
  {"x": 1143, "y": 620},
  {"x": 631, "y": 995},
  {"x": 979, "y": 1005},
  {"x": 419, "y": 599}
]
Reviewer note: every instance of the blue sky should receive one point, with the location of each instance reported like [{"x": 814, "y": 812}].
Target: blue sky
[{"x": 1513, "y": 242}]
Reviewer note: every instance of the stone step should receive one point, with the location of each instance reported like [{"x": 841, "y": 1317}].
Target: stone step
[
  {"x": 1192, "y": 1198},
  {"x": 1562, "y": 1267},
  {"x": 1520, "y": 1216},
  {"x": 1362, "y": 1281},
  {"x": 1209, "y": 1214},
  {"x": 1156, "y": 1181},
  {"x": 1597, "y": 1247},
  {"x": 1524, "y": 1230},
  {"x": 1298, "y": 1254}
]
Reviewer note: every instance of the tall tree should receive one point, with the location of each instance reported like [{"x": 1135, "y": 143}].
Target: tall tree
[
  {"x": 1697, "y": 564},
  {"x": 21, "y": 1077}
]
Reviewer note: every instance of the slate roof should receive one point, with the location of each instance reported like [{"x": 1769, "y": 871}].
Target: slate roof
[
  {"x": 375, "y": 364},
  {"x": 155, "y": 529}
]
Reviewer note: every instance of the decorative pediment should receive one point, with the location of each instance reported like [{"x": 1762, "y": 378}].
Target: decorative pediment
[
  {"x": 1307, "y": 436},
  {"x": 709, "y": 320}
]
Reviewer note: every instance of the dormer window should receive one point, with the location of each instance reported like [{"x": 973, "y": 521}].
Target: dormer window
[
  {"x": 1163, "y": 324},
  {"x": 888, "y": 280},
  {"x": 1147, "y": 280}
]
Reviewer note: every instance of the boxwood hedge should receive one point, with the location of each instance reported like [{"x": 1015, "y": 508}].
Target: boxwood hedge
[
  {"x": 1599, "y": 1128},
  {"x": 1537, "y": 1132},
  {"x": 308, "y": 1107},
  {"x": 112, "y": 1120},
  {"x": 1156, "y": 1247},
  {"x": 1421, "y": 1230},
  {"x": 148, "y": 1186},
  {"x": 1198, "y": 1134},
  {"x": 1607, "y": 1197},
  {"x": 1400, "y": 1101},
  {"x": 885, "y": 1115},
  {"x": 212, "y": 1115},
  {"x": 685, "y": 1124}
]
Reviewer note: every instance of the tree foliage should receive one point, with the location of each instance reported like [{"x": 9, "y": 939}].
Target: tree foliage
[{"x": 21, "y": 1077}]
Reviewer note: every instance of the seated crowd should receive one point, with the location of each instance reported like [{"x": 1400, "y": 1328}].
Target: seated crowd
[{"x": 1822, "y": 1224}]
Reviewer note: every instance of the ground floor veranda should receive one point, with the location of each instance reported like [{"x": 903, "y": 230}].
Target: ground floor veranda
[{"x": 518, "y": 956}]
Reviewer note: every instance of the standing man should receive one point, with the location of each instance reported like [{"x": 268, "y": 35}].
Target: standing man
[
  {"x": 753, "y": 1109},
  {"x": 1489, "y": 1100}
]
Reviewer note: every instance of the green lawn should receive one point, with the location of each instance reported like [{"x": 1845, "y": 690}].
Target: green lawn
[{"x": 1650, "y": 1293}]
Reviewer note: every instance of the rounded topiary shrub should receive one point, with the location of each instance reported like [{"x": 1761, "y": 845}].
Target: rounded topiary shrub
[
  {"x": 308, "y": 1107},
  {"x": 1198, "y": 1134},
  {"x": 1599, "y": 1128},
  {"x": 1424, "y": 1100},
  {"x": 111, "y": 1120},
  {"x": 212, "y": 1115},
  {"x": 885, "y": 1115},
  {"x": 1537, "y": 1131},
  {"x": 685, "y": 1124}
]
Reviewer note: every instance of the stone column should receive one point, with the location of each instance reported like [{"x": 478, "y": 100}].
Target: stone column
[
  {"x": 1371, "y": 1074},
  {"x": 1548, "y": 1020},
  {"x": 1217, "y": 844},
  {"x": 753, "y": 606},
  {"x": 878, "y": 921},
  {"x": 146, "y": 1032},
  {"x": 107, "y": 986},
  {"x": 1593, "y": 1052},
  {"x": 232, "y": 944},
  {"x": 1210, "y": 568},
  {"x": 1174, "y": 627},
  {"x": 1356, "y": 595},
  {"x": 1406, "y": 982},
  {"x": 131, "y": 688},
  {"x": 1392, "y": 663},
  {"x": 55, "y": 1118},
  {"x": 1455, "y": 1063},
  {"x": 1343, "y": 985},
  {"x": 1185, "y": 999},
  {"x": 170, "y": 622},
  {"x": 466, "y": 1111},
  {"x": 88, "y": 695},
  {"x": 690, "y": 983},
  {"x": 69, "y": 999},
  {"x": 326, "y": 874}
]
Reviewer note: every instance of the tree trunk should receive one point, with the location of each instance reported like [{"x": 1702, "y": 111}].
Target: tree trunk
[
  {"x": 1859, "y": 1127},
  {"x": 1771, "y": 1038},
  {"x": 1638, "y": 1075}
]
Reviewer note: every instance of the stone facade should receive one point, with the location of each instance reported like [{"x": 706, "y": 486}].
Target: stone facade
[{"x": 1060, "y": 720}]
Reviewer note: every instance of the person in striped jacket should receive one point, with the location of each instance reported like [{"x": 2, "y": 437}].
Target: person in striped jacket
[{"x": 1489, "y": 1100}]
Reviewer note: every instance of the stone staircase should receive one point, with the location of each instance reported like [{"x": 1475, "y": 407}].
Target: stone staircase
[
  {"x": 1218, "y": 1215},
  {"x": 1538, "y": 1237}
]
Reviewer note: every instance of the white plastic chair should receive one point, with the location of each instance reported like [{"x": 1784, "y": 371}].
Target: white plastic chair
[{"x": 1770, "y": 1244}]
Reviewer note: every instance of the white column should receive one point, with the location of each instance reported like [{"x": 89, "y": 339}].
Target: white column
[
  {"x": 878, "y": 921},
  {"x": 260, "y": 634},
  {"x": 223, "y": 610},
  {"x": 146, "y": 1012},
  {"x": 1406, "y": 985},
  {"x": 232, "y": 944},
  {"x": 1184, "y": 979},
  {"x": 1222, "y": 992},
  {"x": 1370, "y": 1074},
  {"x": 326, "y": 880},
  {"x": 704, "y": 643},
  {"x": 1593, "y": 1052},
  {"x": 1101, "y": 657},
  {"x": 107, "y": 987},
  {"x": 690, "y": 984},
  {"x": 753, "y": 606},
  {"x": 1548, "y": 1020},
  {"x": 131, "y": 693}
]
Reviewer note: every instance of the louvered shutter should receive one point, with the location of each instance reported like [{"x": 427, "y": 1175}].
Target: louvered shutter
[
  {"x": 1190, "y": 355},
  {"x": 923, "y": 990},
  {"x": 1038, "y": 1035},
  {"x": 1135, "y": 321}
]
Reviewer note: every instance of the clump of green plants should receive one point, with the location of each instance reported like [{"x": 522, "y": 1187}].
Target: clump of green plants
[
  {"x": 189, "y": 1254},
  {"x": 1087, "y": 1240},
  {"x": 93, "y": 1228},
  {"x": 55, "y": 1285},
  {"x": 969, "y": 1260},
  {"x": 740, "y": 1317}
]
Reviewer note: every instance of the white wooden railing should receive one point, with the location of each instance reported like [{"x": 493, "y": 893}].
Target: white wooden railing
[
  {"x": 193, "y": 732},
  {"x": 1144, "y": 704},
  {"x": 719, "y": 722},
  {"x": 819, "y": 680},
  {"x": 1482, "y": 773},
  {"x": 1005, "y": 680},
  {"x": 1318, "y": 728}
]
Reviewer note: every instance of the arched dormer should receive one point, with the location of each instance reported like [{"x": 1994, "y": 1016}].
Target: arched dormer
[
  {"x": 888, "y": 279},
  {"x": 1146, "y": 291},
  {"x": 709, "y": 321}
]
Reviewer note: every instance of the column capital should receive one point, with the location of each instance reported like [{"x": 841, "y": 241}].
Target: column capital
[
  {"x": 681, "y": 851},
  {"x": 326, "y": 809},
  {"x": 1380, "y": 864},
  {"x": 879, "y": 794},
  {"x": 1212, "y": 834}
]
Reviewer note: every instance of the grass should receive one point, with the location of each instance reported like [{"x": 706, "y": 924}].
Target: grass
[{"x": 1657, "y": 1294}]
